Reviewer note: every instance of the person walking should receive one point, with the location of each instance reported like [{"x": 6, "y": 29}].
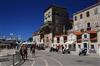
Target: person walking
[
  {"x": 62, "y": 48},
  {"x": 23, "y": 52},
  {"x": 33, "y": 50},
  {"x": 30, "y": 48}
]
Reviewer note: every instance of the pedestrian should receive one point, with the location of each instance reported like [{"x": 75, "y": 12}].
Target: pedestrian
[
  {"x": 25, "y": 51},
  {"x": 33, "y": 50},
  {"x": 30, "y": 48},
  {"x": 62, "y": 48},
  {"x": 21, "y": 52}
]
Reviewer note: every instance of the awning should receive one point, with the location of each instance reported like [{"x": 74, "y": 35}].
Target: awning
[
  {"x": 69, "y": 42},
  {"x": 91, "y": 32},
  {"x": 78, "y": 33},
  {"x": 28, "y": 43}
]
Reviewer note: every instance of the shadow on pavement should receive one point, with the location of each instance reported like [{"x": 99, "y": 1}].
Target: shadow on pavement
[{"x": 19, "y": 64}]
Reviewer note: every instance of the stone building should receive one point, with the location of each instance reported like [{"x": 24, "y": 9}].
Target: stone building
[
  {"x": 56, "y": 18},
  {"x": 86, "y": 25},
  {"x": 87, "y": 19},
  {"x": 56, "y": 22}
]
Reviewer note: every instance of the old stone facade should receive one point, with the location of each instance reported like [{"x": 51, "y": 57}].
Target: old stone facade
[
  {"x": 56, "y": 22},
  {"x": 87, "y": 19},
  {"x": 86, "y": 25},
  {"x": 56, "y": 18}
]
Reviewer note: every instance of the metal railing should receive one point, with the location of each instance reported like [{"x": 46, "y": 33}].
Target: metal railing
[
  {"x": 10, "y": 57},
  {"x": 16, "y": 58}
]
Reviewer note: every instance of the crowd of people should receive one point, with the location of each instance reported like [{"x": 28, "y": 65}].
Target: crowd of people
[
  {"x": 65, "y": 50},
  {"x": 55, "y": 48},
  {"x": 60, "y": 48}
]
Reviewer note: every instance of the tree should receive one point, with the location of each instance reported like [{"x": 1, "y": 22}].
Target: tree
[{"x": 30, "y": 39}]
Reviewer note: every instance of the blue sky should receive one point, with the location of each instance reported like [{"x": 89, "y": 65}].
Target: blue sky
[{"x": 23, "y": 17}]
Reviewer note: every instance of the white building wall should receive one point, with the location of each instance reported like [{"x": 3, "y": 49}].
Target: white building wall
[
  {"x": 98, "y": 45},
  {"x": 55, "y": 40},
  {"x": 71, "y": 38},
  {"x": 36, "y": 39},
  {"x": 61, "y": 40},
  {"x": 49, "y": 38}
]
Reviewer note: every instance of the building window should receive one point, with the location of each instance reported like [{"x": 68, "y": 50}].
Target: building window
[
  {"x": 80, "y": 26},
  {"x": 85, "y": 36},
  {"x": 88, "y": 24},
  {"x": 88, "y": 14},
  {"x": 92, "y": 46},
  {"x": 97, "y": 24},
  {"x": 79, "y": 46},
  {"x": 85, "y": 45},
  {"x": 65, "y": 39},
  {"x": 81, "y": 16},
  {"x": 75, "y": 18},
  {"x": 82, "y": 30},
  {"x": 58, "y": 39}
]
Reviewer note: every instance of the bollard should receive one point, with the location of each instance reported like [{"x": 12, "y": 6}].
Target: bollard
[{"x": 13, "y": 60}]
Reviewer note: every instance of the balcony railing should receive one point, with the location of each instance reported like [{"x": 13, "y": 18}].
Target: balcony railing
[
  {"x": 89, "y": 28},
  {"x": 93, "y": 39},
  {"x": 79, "y": 40}
]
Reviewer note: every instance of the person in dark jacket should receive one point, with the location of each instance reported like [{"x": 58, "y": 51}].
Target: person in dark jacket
[{"x": 33, "y": 50}]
